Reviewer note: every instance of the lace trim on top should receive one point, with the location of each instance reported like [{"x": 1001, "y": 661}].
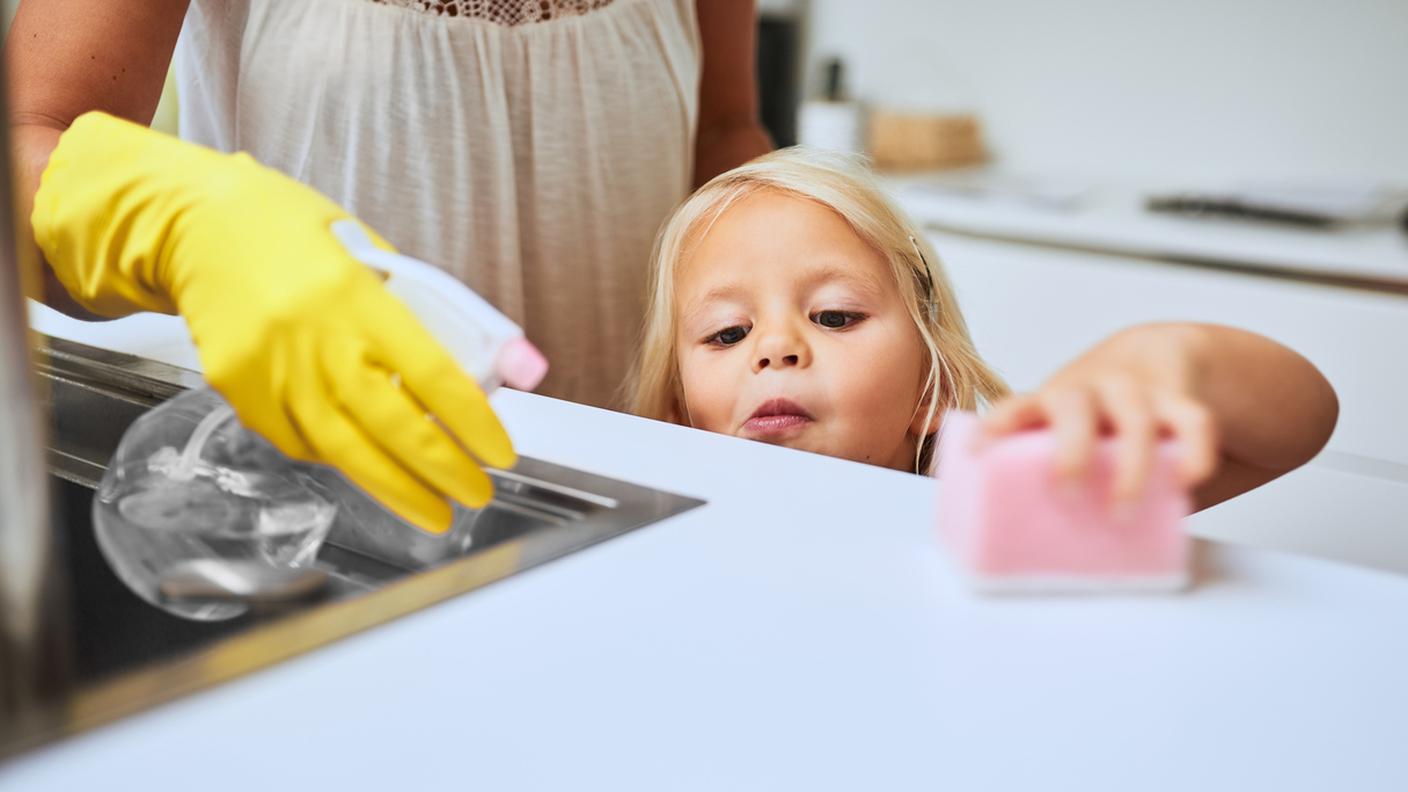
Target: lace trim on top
[{"x": 502, "y": 12}]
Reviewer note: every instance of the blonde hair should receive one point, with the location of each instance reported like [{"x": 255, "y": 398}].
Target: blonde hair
[{"x": 957, "y": 377}]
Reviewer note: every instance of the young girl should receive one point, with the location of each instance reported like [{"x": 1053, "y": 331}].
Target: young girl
[{"x": 792, "y": 303}]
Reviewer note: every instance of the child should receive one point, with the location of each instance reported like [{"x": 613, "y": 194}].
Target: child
[{"x": 792, "y": 303}]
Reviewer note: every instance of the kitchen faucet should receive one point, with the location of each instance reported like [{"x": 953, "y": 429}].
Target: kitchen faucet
[{"x": 33, "y": 673}]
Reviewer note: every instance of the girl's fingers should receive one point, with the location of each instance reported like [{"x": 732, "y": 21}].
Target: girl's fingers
[
  {"x": 1193, "y": 425},
  {"x": 1013, "y": 414},
  {"x": 1069, "y": 412},
  {"x": 1076, "y": 417},
  {"x": 1130, "y": 413},
  {"x": 1076, "y": 427}
]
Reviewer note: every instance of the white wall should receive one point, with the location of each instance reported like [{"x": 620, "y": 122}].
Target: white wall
[{"x": 1195, "y": 90}]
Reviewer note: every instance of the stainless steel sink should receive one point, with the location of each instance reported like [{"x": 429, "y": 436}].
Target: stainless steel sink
[{"x": 127, "y": 655}]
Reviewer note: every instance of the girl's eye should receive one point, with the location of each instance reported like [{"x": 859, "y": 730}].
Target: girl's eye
[
  {"x": 728, "y": 336},
  {"x": 836, "y": 320}
]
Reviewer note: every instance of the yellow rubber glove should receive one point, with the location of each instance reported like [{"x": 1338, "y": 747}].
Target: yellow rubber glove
[{"x": 303, "y": 340}]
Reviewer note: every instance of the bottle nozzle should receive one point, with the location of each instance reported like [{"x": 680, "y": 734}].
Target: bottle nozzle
[{"x": 521, "y": 365}]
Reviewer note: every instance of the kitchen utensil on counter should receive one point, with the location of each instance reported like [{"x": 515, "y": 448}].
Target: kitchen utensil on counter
[
  {"x": 835, "y": 122},
  {"x": 1314, "y": 207},
  {"x": 925, "y": 141}
]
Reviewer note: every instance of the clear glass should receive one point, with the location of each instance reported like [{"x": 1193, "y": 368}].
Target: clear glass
[
  {"x": 229, "y": 496},
  {"x": 366, "y": 526}
]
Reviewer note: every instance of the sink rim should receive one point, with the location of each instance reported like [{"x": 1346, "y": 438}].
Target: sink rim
[{"x": 145, "y": 382}]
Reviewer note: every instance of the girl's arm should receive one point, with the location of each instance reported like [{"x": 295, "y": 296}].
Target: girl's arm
[
  {"x": 1244, "y": 408},
  {"x": 729, "y": 131}
]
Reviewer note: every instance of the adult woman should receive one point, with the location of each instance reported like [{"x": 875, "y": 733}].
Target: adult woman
[{"x": 531, "y": 148}]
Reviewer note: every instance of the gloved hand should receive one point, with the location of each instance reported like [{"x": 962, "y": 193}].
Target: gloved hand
[{"x": 305, "y": 343}]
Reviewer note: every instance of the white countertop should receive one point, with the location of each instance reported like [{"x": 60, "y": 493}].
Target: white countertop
[{"x": 803, "y": 631}]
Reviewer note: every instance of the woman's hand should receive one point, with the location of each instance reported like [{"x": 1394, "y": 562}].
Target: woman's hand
[
  {"x": 301, "y": 338},
  {"x": 1241, "y": 408}
]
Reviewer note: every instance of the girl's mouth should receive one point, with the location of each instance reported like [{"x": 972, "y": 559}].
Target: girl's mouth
[{"x": 776, "y": 419}]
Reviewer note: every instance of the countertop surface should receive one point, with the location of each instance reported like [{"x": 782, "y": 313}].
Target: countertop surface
[{"x": 803, "y": 630}]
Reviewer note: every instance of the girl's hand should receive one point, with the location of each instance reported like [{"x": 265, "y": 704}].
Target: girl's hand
[{"x": 1139, "y": 387}]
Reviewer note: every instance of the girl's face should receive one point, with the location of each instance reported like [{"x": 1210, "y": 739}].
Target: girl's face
[{"x": 792, "y": 331}]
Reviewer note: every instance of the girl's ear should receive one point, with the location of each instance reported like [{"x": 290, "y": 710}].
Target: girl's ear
[
  {"x": 677, "y": 414},
  {"x": 924, "y": 424}
]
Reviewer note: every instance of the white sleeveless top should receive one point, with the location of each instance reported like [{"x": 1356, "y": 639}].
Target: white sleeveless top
[{"x": 530, "y": 148}]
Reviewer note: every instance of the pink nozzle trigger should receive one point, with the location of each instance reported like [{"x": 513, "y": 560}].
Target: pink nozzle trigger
[{"x": 521, "y": 365}]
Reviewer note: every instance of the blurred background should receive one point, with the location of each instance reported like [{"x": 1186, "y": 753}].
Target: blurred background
[
  {"x": 1103, "y": 88},
  {"x": 1186, "y": 91}
]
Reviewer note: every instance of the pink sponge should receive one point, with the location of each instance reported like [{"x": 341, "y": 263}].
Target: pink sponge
[{"x": 1013, "y": 528}]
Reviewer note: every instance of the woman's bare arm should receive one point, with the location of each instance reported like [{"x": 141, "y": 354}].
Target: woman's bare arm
[
  {"x": 66, "y": 57},
  {"x": 729, "y": 132}
]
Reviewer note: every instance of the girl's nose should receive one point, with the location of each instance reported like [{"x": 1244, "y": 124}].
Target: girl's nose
[{"x": 780, "y": 349}]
